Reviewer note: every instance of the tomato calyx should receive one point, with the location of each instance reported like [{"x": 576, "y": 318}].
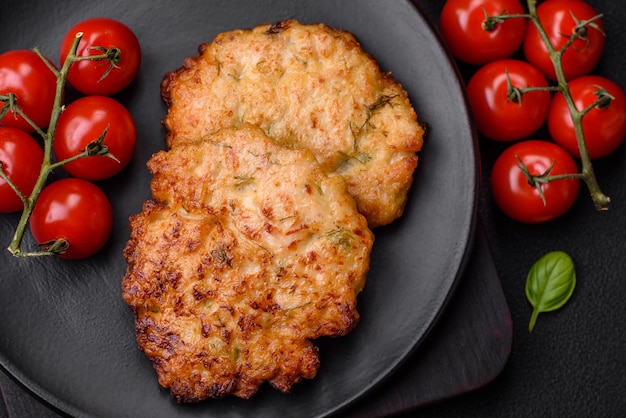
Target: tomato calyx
[
  {"x": 54, "y": 247},
  {"x": 11, "y": 105},
  {"x": 538, "y": 180},
  {"x": 98, "y": 148},
  {"x": 603, "y": 101},
  {"x": 514, "y": 93},
  {"x": 110, "y": 56},
  {"x": 579, "y": 32},
  {"x": 582, "y": 27},
  {"x": 10, "y": 101},
  {"x": 491, "y": 22},
  {"x": 535, "y": 180}
]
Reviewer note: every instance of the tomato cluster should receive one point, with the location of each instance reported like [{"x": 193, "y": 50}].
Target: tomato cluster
[
  {"x": 92, "y": 138},
  {"x": 516, "y": 90}
]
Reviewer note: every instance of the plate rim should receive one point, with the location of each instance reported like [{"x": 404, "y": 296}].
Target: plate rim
[
  {"x": 470, "y": 237},
  {"x": 48, "y": 398}
]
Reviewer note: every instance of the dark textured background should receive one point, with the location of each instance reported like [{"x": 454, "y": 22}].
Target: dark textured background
[{"x": 573, "y": 364}]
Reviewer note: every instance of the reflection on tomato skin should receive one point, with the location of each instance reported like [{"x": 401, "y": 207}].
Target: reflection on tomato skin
[
  {"x": 522, "y": 201},
  {"x": 74, "y": 210}
]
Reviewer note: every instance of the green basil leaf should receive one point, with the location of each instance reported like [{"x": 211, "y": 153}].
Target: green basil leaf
[{"x": 550, "y": 283}]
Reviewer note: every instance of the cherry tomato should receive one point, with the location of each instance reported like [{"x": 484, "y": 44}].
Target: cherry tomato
[
  {"x": 21, "y": 158},
  {"x": 75, "y": 210},
  {"x": 498, "y": 114},
  {"x": 462, "y": 26},
  {"x": 25, "y": 74},
  {"x": 82, "y": 123},
  {"x": 604, "y": 126},
  {"x": 521, "y": 201},
  {"x": 100, "y": 34},
  {"x": 559, "y": 18}
]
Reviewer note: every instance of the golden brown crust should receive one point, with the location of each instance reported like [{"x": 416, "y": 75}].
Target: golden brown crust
[
  {"x": 246, "y": 253},
  {"x": 306, "y": 86}
]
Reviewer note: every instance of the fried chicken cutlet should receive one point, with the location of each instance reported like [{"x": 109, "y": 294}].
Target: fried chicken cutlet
[
  {"x": 246, "y": 253},
  {"x": 306, "y": 86}
]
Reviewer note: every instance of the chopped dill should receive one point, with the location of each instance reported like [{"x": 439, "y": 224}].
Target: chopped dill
[
  {"x": 267, "y": 156},
  {"x": 359, "y": 130},
  {"x": 234, "y": 76},
  {"x": 361, "y": 157},
  {"x": 292, "y": 308},
  {"x": 340, "y": 236},
  {"x": 381, "y": 102},
  {"x": 220, "y": 144},
  {"x": 243, "y": 180},
  {"x": 264, "y": 249}
]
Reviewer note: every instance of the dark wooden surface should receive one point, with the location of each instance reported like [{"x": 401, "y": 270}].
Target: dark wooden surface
[{"x": 467, "y": 349}]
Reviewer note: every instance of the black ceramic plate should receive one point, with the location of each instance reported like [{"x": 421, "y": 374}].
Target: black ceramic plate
[{"x": 65, "y": 332}]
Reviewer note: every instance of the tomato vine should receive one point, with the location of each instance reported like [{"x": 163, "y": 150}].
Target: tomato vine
[
  {"x": 10, "y": 104},
  {"x": 587, "y": 173}
]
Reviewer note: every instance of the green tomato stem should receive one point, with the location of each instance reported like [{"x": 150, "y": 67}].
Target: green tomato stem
[
  {"x": 47, "y": 166},
  {"x": 587, "y": 174},
  {"x": 12, "y": 185},
  {"x": 600, "y": 200}
]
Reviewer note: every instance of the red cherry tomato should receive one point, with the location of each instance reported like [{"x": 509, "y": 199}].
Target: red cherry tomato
[
  {"x": 75, "y": 210},
  {"x": 25, "y": 74},
  {"x": 521, "y": 201},
  {"x": 497, "y": 114},
  {"x": 462, "y": 28},
  {"x": 87, "y": 76},
  {"x": 82, "y": 122},
  {"x": 559, "y": 18},
  {"x": 21, "y": 158},
  {"x": 604, "y": 126}
]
